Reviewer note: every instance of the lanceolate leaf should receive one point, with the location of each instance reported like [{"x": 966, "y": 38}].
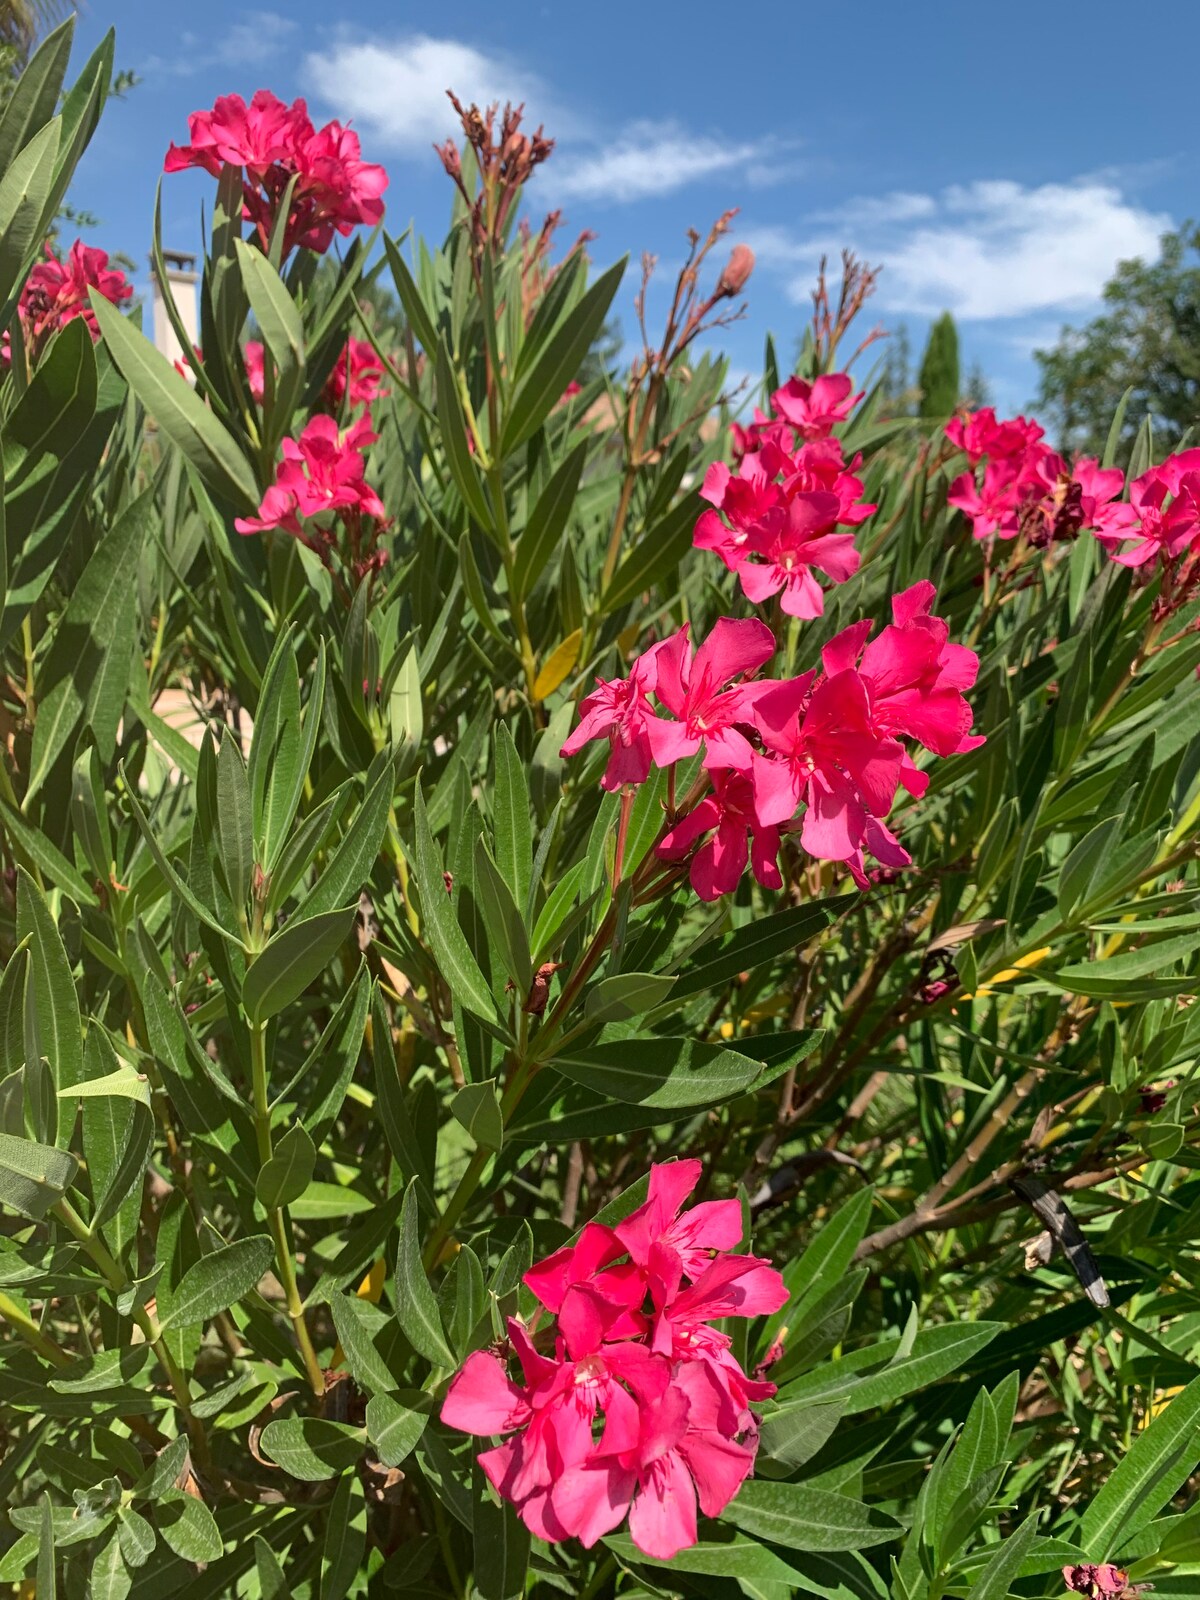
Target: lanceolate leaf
[
  {"x": 1146, "y": 1477},
  {"x": 219, "y": 1280},
  {"x": 459, "y": 967},
  {"x": 293, "y": 959},
  {"x": 33, "y": 1177},
  {"x": 799, "y": 1517},
  {"x": 179, "y": 412},
  {"x": 60, "y": 1028},
  {"x": 417, "y": 1309}
]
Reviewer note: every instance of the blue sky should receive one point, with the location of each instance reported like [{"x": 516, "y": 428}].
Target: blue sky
[{"x": 995, "y": 160}]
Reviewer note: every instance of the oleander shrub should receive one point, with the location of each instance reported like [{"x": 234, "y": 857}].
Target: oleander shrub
[{"x": 598, "y": 989}]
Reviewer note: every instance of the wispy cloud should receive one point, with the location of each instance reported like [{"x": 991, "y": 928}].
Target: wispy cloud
[
  {"x": 257, "y": 36},
  {"x": 988, "y": 249},
  {"x": 649, "y": 159},
  {"x": 396, "y": 90}
]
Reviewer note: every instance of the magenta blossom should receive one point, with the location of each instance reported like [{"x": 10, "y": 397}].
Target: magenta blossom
[
  {"x": 611, "y": 1425},
  {"x": 56, "y": 291},
  {"x": 618, "y": 710},
  {"x": 915, "y": 677},
  {"x": 1165, "y": 507},
  {"x": 792, "y": 547},
  {"x": 330, "y": 188},
  {"x": 814, "y": 409},
  {"x": 322, "y": 471},
  {"x": 728, "y": 817},
  {"x": 695, "y": 687}
]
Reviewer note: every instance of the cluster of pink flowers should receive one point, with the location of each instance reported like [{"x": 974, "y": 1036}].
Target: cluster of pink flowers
[
  {"x": 777, "y": 514},
  {"x": 321, "y": 483},
  {"x": 1027, "y": 488},
  {"x": 634, "y": 1345},
  {"x": 355, "y": 380},
  {"x": 56, "y": 292},
  {"x": 335, "y": 190},
  {"x": 831, "y": 741}
]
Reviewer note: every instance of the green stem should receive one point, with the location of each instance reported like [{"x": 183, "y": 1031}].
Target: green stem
[
  {"x": 17, "y": 1317},
  {"x": 277, "y": 1221},
  {"x": 146, "y": 1320},
  {"x": 455, "y": 1206},
  {"x": 516, "y": 605}
]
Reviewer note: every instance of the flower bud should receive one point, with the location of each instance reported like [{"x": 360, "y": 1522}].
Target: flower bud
[{"x": 736, "y": 273}]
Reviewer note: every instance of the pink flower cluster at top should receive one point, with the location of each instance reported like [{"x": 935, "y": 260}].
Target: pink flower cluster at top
[
  {"x": 355, "y": 379},
  {"x": 634, "y": 1346},
  {"x": 322, "y": 472},
  {"x": 56, "y": 291},
  {"x": 831, "y": 741},
  {"x": 777, "y": 514},
  {"x": 335, "y": 189},
  {"x": 1027, "y": 488}
]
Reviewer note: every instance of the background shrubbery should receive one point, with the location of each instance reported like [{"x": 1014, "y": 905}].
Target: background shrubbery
[{"x": 330, "y": 1008}]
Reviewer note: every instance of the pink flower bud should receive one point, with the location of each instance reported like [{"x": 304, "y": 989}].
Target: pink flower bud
[{"x": 736, "y": 273}]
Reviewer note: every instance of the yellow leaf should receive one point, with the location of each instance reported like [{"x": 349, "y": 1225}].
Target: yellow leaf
[
  {"x": 628, "y": 637},
  {"x": 558, "y": 665},
  {"x": 371, "y": 1288}
]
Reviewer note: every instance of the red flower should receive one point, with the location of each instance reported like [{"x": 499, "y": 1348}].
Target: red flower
[
  {"x": 334, "y": 190},
  {"x": 677, "y": 1434},
  {"x": 56, "y": 291},
  {"x": 322, "y": 471},
  {"x": 814, "y": 409}
]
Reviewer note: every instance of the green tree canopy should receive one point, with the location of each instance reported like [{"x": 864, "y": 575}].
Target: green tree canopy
[
  {"x": 1146, "y": 340},
  {"x": 938, "y": 380}
]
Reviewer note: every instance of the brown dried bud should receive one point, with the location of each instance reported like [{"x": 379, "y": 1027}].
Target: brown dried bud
[
  {"x": 450, "y": 158},
  {"x": 539, "y": 989},
  {"x": 736, "y": 273}
]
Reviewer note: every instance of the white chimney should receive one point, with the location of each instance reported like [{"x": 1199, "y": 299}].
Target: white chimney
[{"x": 182, "y": 279}]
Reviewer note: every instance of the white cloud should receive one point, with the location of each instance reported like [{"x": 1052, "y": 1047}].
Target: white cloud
[
  {"x": 257, "y": 36},
  {"x": 993, "y": 249},
  {"x": 648, "y": 159},
  {"x": 396, "y": 91}
]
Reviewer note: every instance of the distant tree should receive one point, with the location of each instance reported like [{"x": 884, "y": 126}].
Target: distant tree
[
  {"x": 22, "y": 24},
  {"x": 977, "y": 390},
  {"x": 1147, "y": 340},
  {"x": 938, "y": 378},
  {"x": 896, "y": 377}
]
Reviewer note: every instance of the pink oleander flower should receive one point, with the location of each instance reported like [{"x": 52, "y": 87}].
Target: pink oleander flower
[
  {"x": 703, "y": 690},
  {"x": 821, "y": 465},
  {"x": 814, "y": 409},
  {"x": 618, "y": 710},
  {"x": 979, "y": 434},
  {"x": 56, "y": 291},
  {"x": 334, "y": 192},
  {"x": 356, "y": 377},
  {"x": 762, "y": 430},
  {"x": 775, "y": 519},
  {"x": 641, "y": 1411},
  {"x": 915, "y": 678},
  {"x": 1165, "y": 520},
  {"x": 258, "y": 136},
  {"x": 751, "y": 500},
  {"x": 321, "y": 471},
  {"x": 991, "y": 507},
  {"x": 254, "y": 358},
  {"x": 791, "y": 548},
  {"x": 728, "y": 816}
]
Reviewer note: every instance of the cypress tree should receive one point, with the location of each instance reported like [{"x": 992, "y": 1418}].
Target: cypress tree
[{"x": 939, "y": 369}]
